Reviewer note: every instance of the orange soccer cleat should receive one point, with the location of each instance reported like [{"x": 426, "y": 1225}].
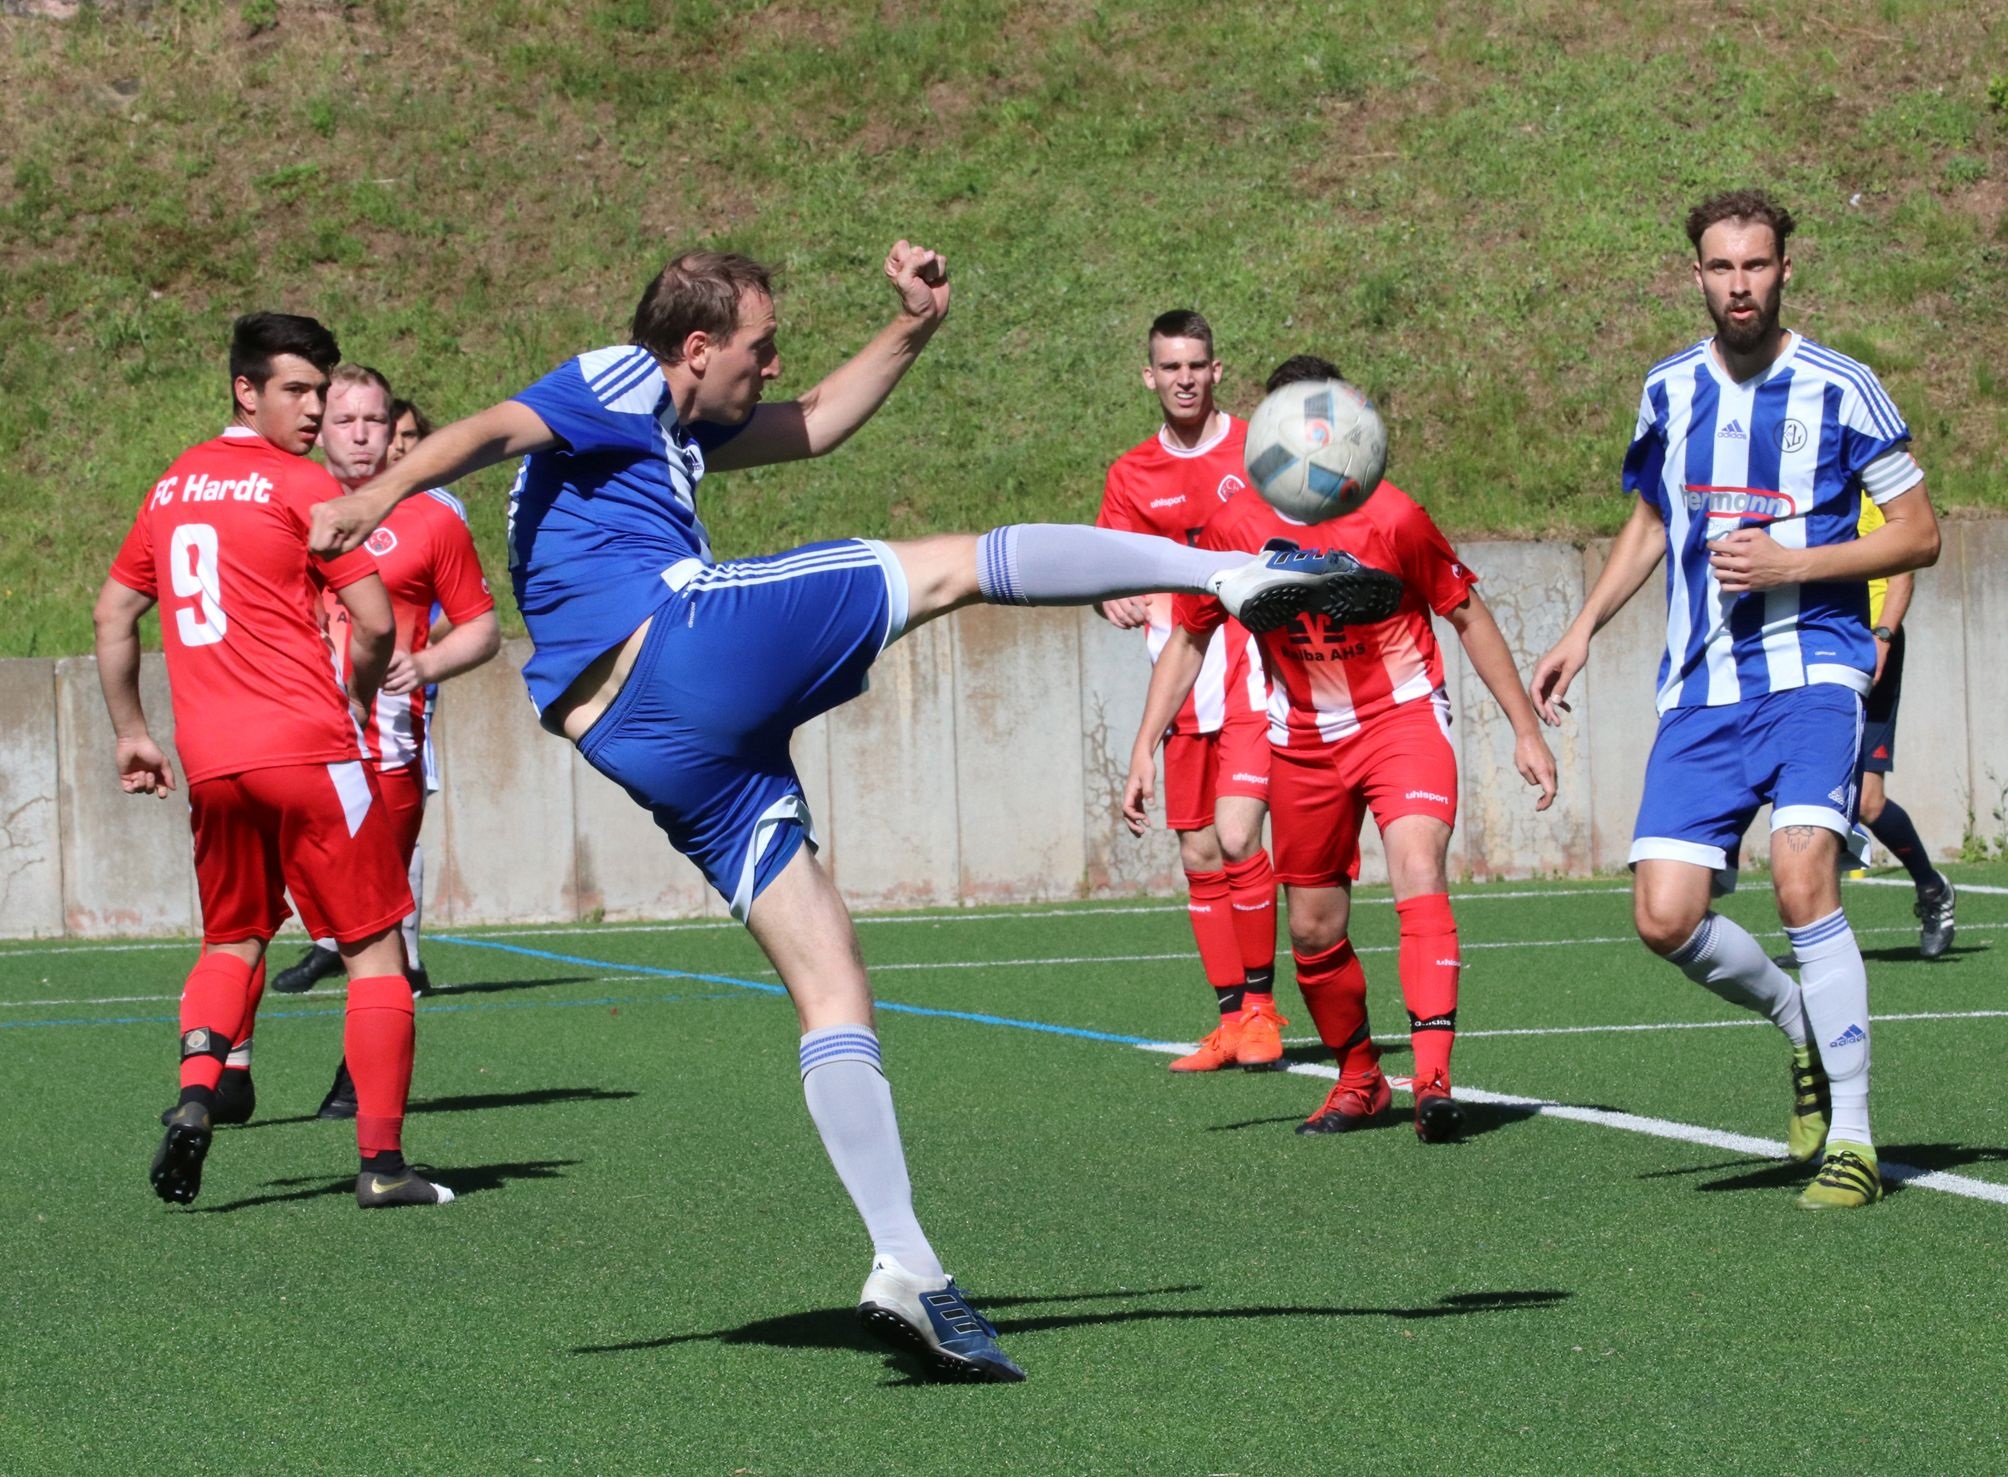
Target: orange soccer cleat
[
  {"x": 1261, "y": 1047},
  {"x": 1438, "y": 1118},
  {"x": 1350, "y": 1105},
  {"x": 1220, "y": 1048}
]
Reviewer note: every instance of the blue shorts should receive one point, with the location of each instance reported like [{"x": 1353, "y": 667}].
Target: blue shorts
[
  {"x": 1711, "y": 769},
  {"x": 740, "y": 656}
]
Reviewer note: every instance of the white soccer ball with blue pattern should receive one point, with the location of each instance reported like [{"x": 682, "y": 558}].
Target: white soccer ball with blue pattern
[{"x": 1316, "y": 450}]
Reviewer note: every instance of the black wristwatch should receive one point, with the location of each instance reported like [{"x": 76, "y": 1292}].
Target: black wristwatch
[{"x": 1883, "y": 633}]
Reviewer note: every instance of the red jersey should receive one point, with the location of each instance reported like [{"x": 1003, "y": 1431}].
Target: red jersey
[
  {"x": 246, "y": 662},
  {"x": 1171, "y": 491},
  {"x": 1326, "y": 681},
  {"x": 425, "y": 553}
]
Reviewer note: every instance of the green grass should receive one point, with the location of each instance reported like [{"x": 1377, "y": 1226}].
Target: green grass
[
  {"x": 1474, "y": 210},
  {"x": 651, "y": 1266}
]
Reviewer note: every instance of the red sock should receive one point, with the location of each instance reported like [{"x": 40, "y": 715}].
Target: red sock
[
  {"x": 1335, "y": 992},
  {"x": 1253, "y": 885},
  {"x": 377, "y": 1038},
  {"x": 1429, "y": 966},
  {"x": 254, "y": 993},
  {"x": 1211, "y": 907},
  {"x": 212, "y": 1011}
]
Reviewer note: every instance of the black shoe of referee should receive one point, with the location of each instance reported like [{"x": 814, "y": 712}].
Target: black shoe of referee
[{"x": 309, "y": 970}]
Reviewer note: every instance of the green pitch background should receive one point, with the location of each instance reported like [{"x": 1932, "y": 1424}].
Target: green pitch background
[{"x": 652, "y": 1266}]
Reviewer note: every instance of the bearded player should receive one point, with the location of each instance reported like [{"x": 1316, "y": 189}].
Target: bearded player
[
  {"x": 280, "y": 797},
  {"x": 1216, "y": 752},
  {"x": 1359, "y": 721},
  {"x": 1746, "y": 467},
  {"x": 683, "y": 679}
]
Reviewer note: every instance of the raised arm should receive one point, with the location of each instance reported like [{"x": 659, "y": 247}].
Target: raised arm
[
  {"x": 498, "y": 434},
  {"x": 1635, "y": 554},
  {"x": 826, "y": 415}
]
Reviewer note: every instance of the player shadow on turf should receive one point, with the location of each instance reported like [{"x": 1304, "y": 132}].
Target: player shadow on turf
[
  {"x": 490, "y": 987},
  {"x": 1479, "y": 1118},
  {"x": 463, "y": 1180},
  {"x": 1934, "y": 1157},
  {"x": 837, "y": 1328},
  {"x": 1758, "y": 1174},
  {"x": 478, "y": 1102},
  {"x": 1907, "y": 954}
]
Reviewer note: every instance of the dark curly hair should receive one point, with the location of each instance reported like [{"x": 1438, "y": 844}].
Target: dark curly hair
[{"x": 1740, "y": 205}]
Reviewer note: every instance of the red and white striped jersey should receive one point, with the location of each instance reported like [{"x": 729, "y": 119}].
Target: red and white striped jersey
[
  {"x": 425, "y": 553},
  {"x": 1327, "y": 682},
  {"x": 221, "y": 542},
  {"x": 1171, "y": 491}
]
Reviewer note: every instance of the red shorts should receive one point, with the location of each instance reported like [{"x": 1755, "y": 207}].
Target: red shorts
[
  {"x": 1399, "y": 764},
  {"x": 1200, "y": 768},
  {"x": 319, "y": 831},
  {"x": 403, "y": 791}
]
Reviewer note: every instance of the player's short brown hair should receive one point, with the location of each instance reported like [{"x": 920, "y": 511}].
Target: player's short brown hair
[
  {"x": 1740, "y": 205},
  {"x": 1180, "y": 323},
  {"x": 256, "y": 339},
  {"x": 698, "y": 292},
  {"x": 361, "y": 374},
  {"x": 399, "y": 409},
  {"x": 1300, "y": 367}
]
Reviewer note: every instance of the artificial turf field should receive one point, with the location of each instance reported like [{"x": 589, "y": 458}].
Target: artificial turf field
[{"x": 652, "y": 1267}]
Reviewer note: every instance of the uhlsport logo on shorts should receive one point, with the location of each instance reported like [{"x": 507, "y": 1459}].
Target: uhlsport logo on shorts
[{"x": 1427, "y": 795}]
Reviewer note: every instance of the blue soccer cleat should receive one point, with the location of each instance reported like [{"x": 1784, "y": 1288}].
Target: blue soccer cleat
[
  {"x": 1284, "y": 581},
  {"x": 935, "y": 1322}
]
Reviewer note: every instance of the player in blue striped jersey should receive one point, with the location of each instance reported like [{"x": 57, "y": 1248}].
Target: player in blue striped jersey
[
  {"x": 683, "y": 679},
  {"x": 1750, "y": 456}
]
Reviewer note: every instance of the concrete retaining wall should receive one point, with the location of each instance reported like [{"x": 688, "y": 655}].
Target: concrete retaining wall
[{"x": 985, "y": 764}]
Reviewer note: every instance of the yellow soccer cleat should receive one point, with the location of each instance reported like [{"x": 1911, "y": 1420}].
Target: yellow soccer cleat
[
  {"x": 1807, "y": 1130},
  {"x": 1848, "y": 1179}
]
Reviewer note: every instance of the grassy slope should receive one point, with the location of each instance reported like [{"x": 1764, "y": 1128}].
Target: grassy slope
[{"x": 1476, "y": 212}]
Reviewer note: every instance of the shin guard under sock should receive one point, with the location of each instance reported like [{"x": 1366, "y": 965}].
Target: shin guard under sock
[
  {"x": 1334, "y": 987},
  {"x": 1252, "y": 883},
  {"x": 240, "y": 1049},
  {"x": 212, "y": 1014},
  {"x": 1070, "y": 564},
  {"x": 1835, "y": 985},
  {"x": 1430, "y": 963},
  {"x": 378, "y": 1042},
  {"x": 851, "y": 1104},
  {"x": 1210, "y": 906}
]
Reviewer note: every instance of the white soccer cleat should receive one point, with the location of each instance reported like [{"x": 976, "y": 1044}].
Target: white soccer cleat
[
  {"x": 1284, "y": 581},
  {"x": 933, "y": 1319}
]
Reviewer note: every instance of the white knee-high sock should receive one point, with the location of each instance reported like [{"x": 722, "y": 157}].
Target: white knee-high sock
[
  {"x": 1835, "y": 983},
  {"x": 1721, "y": 956},
  {"x": 1071, "y": 564},
  {"x": 415, "y": 874},
  {"x": 851, "y": 1103}
]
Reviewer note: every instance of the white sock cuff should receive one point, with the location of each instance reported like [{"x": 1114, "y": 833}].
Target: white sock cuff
[
  {"x": 827, "y": 1044},
  {"x": 1822, "y": 936}
]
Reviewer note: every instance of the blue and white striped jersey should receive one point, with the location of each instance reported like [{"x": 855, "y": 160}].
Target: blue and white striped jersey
[
  {"x": 595, "y": 526},
  {"x": 1784, "y": 452}
]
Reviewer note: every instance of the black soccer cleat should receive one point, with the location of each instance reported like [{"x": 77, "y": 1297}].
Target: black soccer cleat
[
  {"x": 406, "y": 1187},
  {"x": 1285, "y": 581},
  {"x": 1934, "y": 911},
  {"x": 420, "y": 982},
  {"x": 177, "y": 1164},
  {"x": 1438, "y": 1118},
  {"x": 307, "y": 971},
  {"x": 341, "y": 1099}
]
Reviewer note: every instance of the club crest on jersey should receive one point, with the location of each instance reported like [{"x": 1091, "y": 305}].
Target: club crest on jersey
[
  {"x": 1790, "y": 436},
  {"x": 1229, "y": 485},
  {"x": 381, "y": 542}
]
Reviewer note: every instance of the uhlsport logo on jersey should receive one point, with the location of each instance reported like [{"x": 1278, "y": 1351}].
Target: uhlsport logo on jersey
[
  {"x": 381, "y": 542},
  {"x": 1229, "y": 485}
]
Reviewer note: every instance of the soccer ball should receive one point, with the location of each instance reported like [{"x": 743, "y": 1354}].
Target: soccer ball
[{"x": 1316, "y": 450}]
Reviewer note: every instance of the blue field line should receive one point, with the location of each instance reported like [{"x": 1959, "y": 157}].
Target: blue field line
[{"x": 893, "y": 1007}]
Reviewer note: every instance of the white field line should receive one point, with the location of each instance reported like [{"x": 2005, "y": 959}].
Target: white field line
[
  {"x": 863, "y": 920},
  {"x": 1663, "y": 1128},
  {"x": 1070, "y": 960},
  {"x": 1906, "y": 882}
]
